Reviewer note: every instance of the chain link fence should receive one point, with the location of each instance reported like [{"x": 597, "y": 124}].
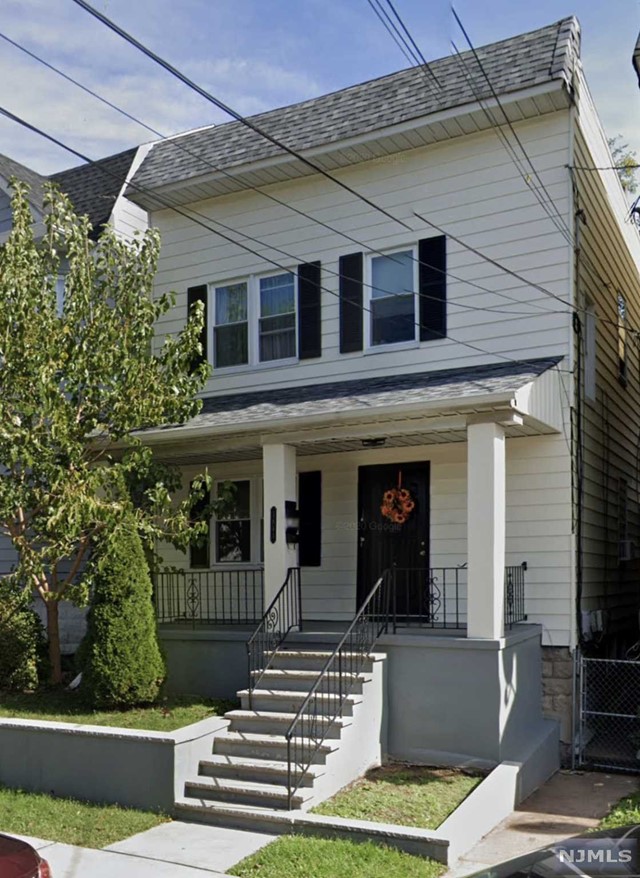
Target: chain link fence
[{"x": 608, "y": 714}]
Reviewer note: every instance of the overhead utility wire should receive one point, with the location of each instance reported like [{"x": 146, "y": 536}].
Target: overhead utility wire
[
  {"x": 175, "y": 142},
  {"x": 199, "y": 90},
  {"x": 406, "y": 49},
  {"x": 163, "y": 202},
  {"x": 234, "y": 113},
  {"x": 413, "y": 43},
  {"x": 252, "y": 125},
  {"x": 516, "y": 137}
]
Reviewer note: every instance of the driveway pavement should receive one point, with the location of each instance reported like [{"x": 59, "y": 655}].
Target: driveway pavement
[
  {"x": 171, "y": 850},
  {"x": 567, "y": 804}
]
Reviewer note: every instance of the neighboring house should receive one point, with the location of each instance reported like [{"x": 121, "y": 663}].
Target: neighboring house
[{"x": 95, "y": 191}]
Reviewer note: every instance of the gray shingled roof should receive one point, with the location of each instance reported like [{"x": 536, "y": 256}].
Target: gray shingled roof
[
  {"x": 10, "y": 168},
  {"x": 93, "y": 189},
  {"x": 517, "y": 63},
  {"x": 366, "y": 395}
]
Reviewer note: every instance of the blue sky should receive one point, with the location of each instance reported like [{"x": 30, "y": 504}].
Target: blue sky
[{"x": 258, "y": 54}]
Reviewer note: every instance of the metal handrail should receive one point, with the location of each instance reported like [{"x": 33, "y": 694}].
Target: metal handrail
[
  {"x": 283, "y": 613},
  {"x": 368, "y": 624}
]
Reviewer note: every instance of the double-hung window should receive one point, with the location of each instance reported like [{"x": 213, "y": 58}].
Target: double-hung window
[
  {"x": 231, "y": 332},
  {"x": 233, "y": 529},
  {"x": 392, "y": 304},
  {"x": 254, "y": 321},
  {"x": 277, "y": 326}
]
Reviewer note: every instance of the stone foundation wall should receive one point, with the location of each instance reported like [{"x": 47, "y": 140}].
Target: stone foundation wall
[{"x": 557, "y": 688}]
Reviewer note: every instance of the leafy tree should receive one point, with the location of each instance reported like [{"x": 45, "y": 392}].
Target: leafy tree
[
  {"x": 75, "y": 385},
  {"x": 120, "y": 657},
  {"x": 626, "y": 162}
]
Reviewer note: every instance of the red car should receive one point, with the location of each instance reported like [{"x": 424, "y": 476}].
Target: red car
[{"x": 19, "y": 860}]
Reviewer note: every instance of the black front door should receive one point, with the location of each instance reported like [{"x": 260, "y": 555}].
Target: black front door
[{"x": 393, "y": 531}]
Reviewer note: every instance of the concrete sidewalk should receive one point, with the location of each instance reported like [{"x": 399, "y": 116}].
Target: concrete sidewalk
[
  {"x": 565, "y": 805},
  {"x": 171, "y": 850}
]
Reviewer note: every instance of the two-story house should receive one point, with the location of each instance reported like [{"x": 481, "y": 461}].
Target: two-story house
[{"x": 421, "y": 299}]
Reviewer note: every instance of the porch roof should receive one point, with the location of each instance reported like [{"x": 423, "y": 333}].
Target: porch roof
[{"x": 368, "y": 400}]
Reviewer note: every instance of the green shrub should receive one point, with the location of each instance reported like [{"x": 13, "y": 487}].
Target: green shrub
[
  {"x": 120, "y": 658},
  {"x": 22, "y": 647}
]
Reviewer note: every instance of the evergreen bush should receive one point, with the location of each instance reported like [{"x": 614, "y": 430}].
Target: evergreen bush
[
  {"x": 120, "y": 657},
  {"x": 22, "y": 645}
]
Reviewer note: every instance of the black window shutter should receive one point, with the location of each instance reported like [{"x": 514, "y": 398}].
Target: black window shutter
[
  {"x": 199, "y": 553},
  {"x": 199, "y": 294},
  {"x": 309, "y": 311},
  {"x": 310, "y": 508},
  {"x": 432, "y": 255},
  {"x": 351, "y": 303}
]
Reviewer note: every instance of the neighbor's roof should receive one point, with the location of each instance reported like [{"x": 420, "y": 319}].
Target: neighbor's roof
[
  {"x": 511, "y": 65},
  {"x": 358, "y": 397},
  {"x": 93, "y": 188},
  {"x": 10, "y": 168}
]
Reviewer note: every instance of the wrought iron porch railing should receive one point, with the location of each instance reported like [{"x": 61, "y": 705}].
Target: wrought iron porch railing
[
  {"x": 514, "y": 609},
  {"x": 283, "y": 613},
  {"x": 219, "y": 597},
  {"x": 437, "y": 597},
  {"x": 324, "y": 703}
]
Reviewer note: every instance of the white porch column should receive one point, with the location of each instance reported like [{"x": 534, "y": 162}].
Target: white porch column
[
  {"x": 279, "y": 475},
  {"x": 486, "y": 514}
]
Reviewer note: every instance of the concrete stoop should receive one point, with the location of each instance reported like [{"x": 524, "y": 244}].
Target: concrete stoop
[{"x": 243, "y": 784}]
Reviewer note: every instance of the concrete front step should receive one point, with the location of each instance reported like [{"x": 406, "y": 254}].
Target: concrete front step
[
  {"x": 277, "y": 723},
  {"x": 280, "y": 701},
  {"x": 234, "y": 816},
  {"x": 245, "y": 792},
  {"x": 303, "y": 681},
  {"x": 315, "y": 660},
  {"x": 259, "y": 770},
  {"x": 269, "y": 747}
]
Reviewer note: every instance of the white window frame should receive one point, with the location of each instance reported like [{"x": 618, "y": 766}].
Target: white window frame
[
  {"x": 255, "y": 518},
  {"x": 253, "y": 319},
  {"x": 368, "y": 298}
]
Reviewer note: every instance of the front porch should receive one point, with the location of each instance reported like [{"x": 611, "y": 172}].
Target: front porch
[{"x": 223, "y": 599}]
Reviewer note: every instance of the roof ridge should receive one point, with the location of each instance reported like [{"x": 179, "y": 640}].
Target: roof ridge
[{"x": 569, "y": 20}]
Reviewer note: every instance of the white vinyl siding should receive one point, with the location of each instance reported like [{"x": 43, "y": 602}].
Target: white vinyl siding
[
  {"x": 610, "y": 247},
  {"x": 467, "y": 186}
]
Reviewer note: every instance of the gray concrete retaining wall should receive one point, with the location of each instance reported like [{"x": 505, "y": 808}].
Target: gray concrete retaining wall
[{"x": 137, "y": 769}]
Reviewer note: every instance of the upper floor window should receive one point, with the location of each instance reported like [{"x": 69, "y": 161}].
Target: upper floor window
[
  {"x": 622, "y": 338},
  {"x": 231, "y": 334},
  {"x": 277, "y": 326},
  {"x": 393, "y": 294},
  {"x": 254, "y": 321}
]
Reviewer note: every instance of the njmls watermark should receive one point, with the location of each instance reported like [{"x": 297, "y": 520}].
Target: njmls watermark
[{"x": 601, "y": 856}]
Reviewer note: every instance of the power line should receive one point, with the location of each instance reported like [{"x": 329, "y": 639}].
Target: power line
[
  {"x": 175, "y": 142},
  {"x": 370, "y": 203},
  {"x": 163, "y": 202},
  {"x": 233, "y": 113},
  {"x": 413, "y": 42},
  {"x": 509, "y": 123}
]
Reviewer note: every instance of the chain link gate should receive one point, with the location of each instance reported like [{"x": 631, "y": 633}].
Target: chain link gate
[{"x": 607, "y": 714}]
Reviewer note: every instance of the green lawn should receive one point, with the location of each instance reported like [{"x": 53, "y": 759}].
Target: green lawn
[
  {"x": 70, "y": 822},
  {"x": 627, "y": 811},
  {"x": 61, "y": 706},
  {"x": 410, "y": 795},
  {"x": 293, "y": 856}
]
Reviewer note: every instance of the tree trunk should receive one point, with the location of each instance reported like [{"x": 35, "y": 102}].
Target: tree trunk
[{"x": 53, "y": 633}]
